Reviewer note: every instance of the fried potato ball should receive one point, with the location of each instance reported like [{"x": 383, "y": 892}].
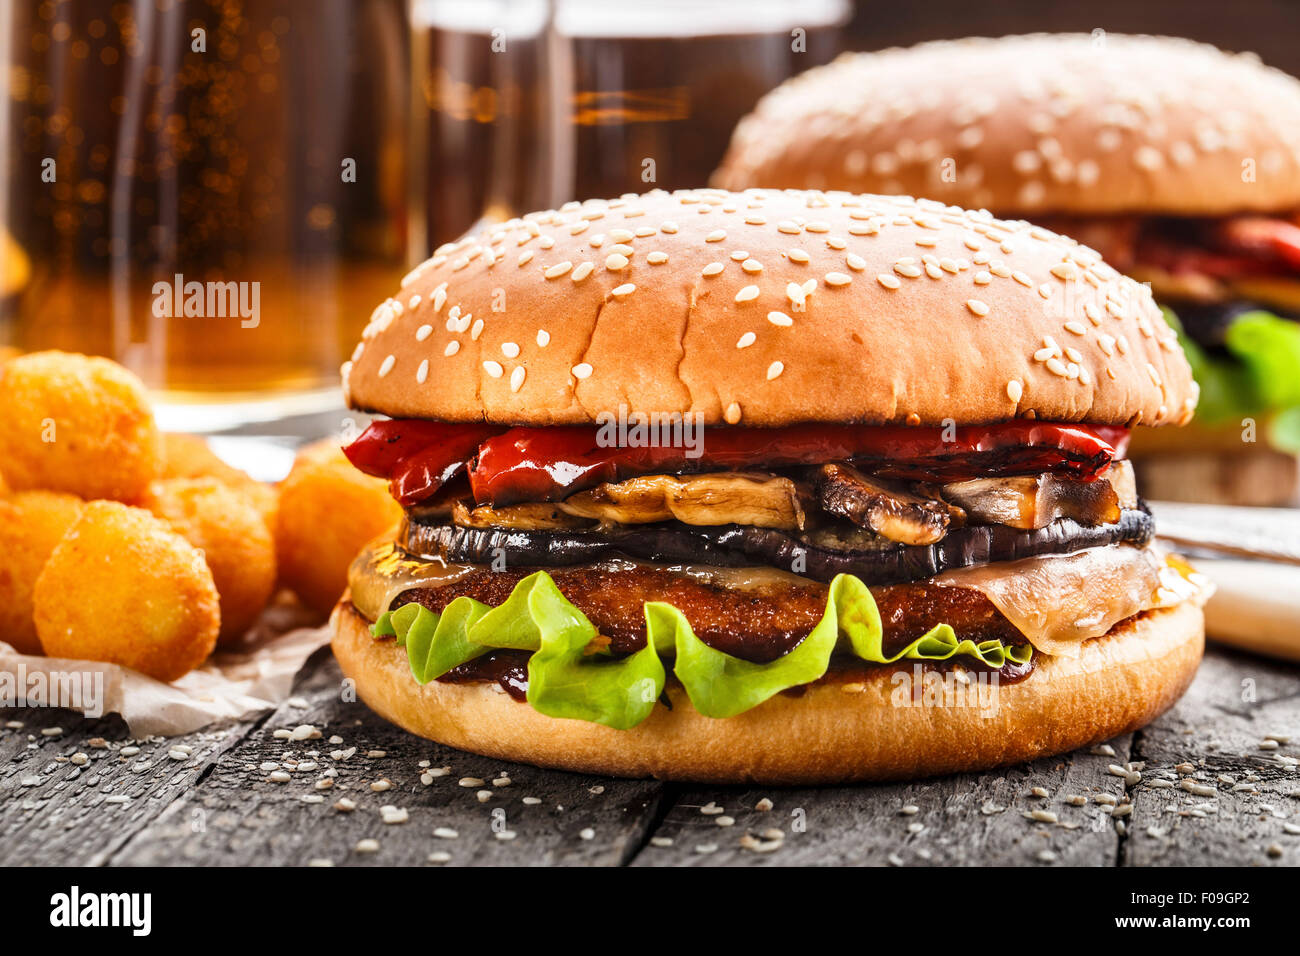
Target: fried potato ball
[
  {"x": 188, "y": 456},
  {"x": 328, "y": 512},
  {"x": 77, "y": 424},
  {"x": 123, "y": 587},
  {"x": 31, "y": 524},
  {"x": 226, "y": 525}
]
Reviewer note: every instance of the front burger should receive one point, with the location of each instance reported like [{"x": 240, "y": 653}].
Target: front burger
[{"x": 760, "y": 487}]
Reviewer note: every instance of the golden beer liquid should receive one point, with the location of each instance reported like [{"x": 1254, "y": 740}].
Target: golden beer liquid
[
  {"x": 224, "y": 164},
  {"x": 575, "y": 103}
]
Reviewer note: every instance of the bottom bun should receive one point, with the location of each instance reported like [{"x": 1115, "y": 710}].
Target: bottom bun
[{"x": 835, "y": 731}]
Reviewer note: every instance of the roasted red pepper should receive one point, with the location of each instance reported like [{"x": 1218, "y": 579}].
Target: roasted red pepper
[
  {"x": 1265, "y": 236},
  {"x": 547, "y": 464},
  {"x": 417, "y": 457}
]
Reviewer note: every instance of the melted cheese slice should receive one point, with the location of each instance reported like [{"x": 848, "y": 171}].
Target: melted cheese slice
[
  {"x": 1060, "y": 601},
  {"x": 382, "y": 572}
]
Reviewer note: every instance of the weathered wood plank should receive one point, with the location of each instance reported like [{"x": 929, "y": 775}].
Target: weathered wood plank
[
  {"x": 967, "y": 819},
  {"x": 1254, "y": 796},
  {"x": 239, "y": 814},
  {"x": 57, "y": 810}
]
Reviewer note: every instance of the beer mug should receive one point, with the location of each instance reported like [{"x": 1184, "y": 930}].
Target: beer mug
[
  {"x": 527, "y": 104},
  {"x": 214, "y": 195}
]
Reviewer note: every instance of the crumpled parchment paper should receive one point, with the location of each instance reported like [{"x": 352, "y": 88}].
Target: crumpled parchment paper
[{"x": 231, "y": 685}]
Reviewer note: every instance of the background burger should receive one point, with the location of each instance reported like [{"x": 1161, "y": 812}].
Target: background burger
[
  {"x": 909, "y": 467},
  {"x": 1179, "y": 163}
]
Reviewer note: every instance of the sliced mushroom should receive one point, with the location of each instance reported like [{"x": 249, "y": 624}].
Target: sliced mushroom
[
  {"x": 525, "y": 517},
  {"x": 1035, "y": 501},
  {"x": 758, "y": 500},
  {"x": 889, "y": 512}
]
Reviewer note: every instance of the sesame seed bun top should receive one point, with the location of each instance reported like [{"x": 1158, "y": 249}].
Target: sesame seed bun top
[
  {"x": 1030, "y": 124},
  {"x": 769, "y": 308}
]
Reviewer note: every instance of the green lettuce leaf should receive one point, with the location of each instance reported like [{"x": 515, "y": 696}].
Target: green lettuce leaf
[
  {"x": 720, "y": 685},
  {"x": 859, "y": 618},
  {"x": 1261, "y": 375},
  {"x": 569, "y": 675},
  {"x": 436, "y": 643},
  {"x": 564, "y": 680},
  {"x": 384, "y": 627}
]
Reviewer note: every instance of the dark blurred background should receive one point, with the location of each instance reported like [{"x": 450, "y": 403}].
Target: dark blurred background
[{"x": 1270, "y": 28}]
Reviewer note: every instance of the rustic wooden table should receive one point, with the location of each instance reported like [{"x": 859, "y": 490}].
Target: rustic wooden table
[{"x": 320, "y": 780}]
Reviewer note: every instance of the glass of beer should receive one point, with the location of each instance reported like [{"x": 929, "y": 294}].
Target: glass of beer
[
  {"x": 213, "y": 194},
  {"x": 527, "y": 104}
]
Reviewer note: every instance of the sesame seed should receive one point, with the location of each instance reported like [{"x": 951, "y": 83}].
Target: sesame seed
[
  {"x": 543, "y": 338},
  {"x": 510, "y": 349},
  {"x": 387, "y": 365},
  {"x": 621, "y": 249},
  {"x": 422, "y": 372},
  {"x": 717, "y": 235},
  {"x": 475, "y": 332},
  {"x": 517, "y": 378},
  {"x": 452, "y": 347},
  {"x": 775, "y": 369},
  {"x": 616, "y": 262},
  {"x": 657, "y": 258},
  {"x": 798, "y": 256},
  {"x": 1057, "y": 367},
  {"x": 1023, "y": 279},
  {"x": 752, "y": 266},
  {"x": 623, "y": 291},
  {"x": 1148, "y": 158},
  {"x": 732, "y": 413},
  {"x": 1078, "y": 328},
  {"x": 583, "y": 270},
  {"x": 712, "y": 269},
  {"x": 582, "y": 370},
  {"x": 559, "y": 269},
  {"x": 747, "y": 294},
  {"x": 779, "y": 318},
  {"x": 855, "y": 262},
  {"x": 493, "y": 368},
  {"x": 888, "y": 281},
  {"x": 837, "y": 279},
  {"x": 746, "y": 340},
  {"x": 977, "y": 307},
  {"x": 1015, "y": 390},
  {"x": 423, "y": 332}
]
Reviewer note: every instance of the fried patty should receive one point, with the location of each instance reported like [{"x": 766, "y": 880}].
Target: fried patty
[{"x": 756, "y": 623}]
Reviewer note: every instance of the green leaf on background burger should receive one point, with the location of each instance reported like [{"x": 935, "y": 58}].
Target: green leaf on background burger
[
  {"x": 1260, "y": 375},
  {"x": 384, "y": 627},
  {"x": 1284, "y": 430},
  {"x": 1270, "y": 347}
]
